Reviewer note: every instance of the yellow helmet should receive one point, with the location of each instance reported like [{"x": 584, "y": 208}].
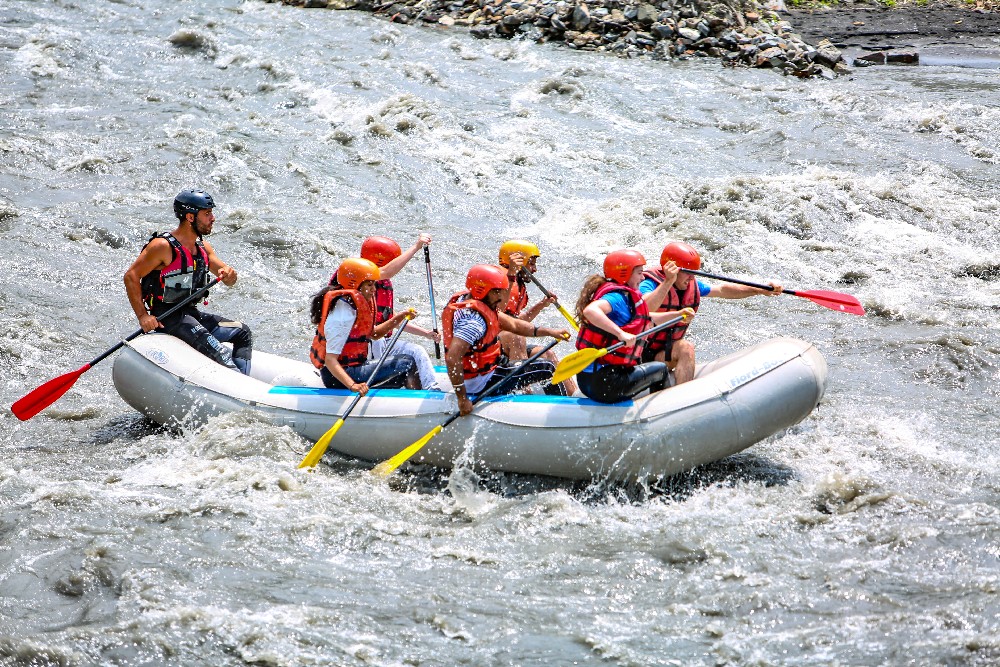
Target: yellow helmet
[
  {"x": 527, "y": 248},
  {"x": 353, "y": 271}
]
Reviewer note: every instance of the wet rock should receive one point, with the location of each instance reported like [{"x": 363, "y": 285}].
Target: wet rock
[
  {"x": 874, "y": 58},
  {"x": 903, "y": 58}
]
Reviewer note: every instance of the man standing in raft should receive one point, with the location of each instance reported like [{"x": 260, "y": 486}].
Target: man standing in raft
[
  {"x": 517, "y": 255},
  {"x": 686, "y": 292},
  {"x": 611, "y": 309},
  {"x": 471, "y": 327},
  {"x": 344, "y": 315},
  {"x": 174, "y": 265},
  {"x": 390, "y": 259}
]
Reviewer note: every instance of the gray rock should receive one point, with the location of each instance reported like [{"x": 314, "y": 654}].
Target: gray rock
[
  {"x": 647, "y": 14},
  {"x": 581, "y": 17}
]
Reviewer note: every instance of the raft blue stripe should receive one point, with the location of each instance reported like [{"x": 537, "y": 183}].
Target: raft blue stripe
[{"x": 437, "y": 395}]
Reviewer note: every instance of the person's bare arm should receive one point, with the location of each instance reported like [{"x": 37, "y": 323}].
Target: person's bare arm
[
  {"x": 523, "y": 328},
  {"x": 155, "y": 256},
  {"x": 395, "y": 266}
]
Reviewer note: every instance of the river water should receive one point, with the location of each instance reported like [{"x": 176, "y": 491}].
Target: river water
[{"x": 868, "y": 534}]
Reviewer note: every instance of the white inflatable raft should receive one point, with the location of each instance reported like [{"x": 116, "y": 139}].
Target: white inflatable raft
[{"x": 732, "y": 403}]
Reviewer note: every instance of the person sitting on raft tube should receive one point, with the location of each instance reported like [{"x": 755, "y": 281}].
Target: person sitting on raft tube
[
  {"x": 390, "y": 259},
  {"x": 344, "y": 315},
  {"x": 471, "y": 325},
  {"x": 516, "y": 255},
  {"x": 173, "y": 266},
  {"x": 611, "y": 309},
  {"x": 686, "y": 292}
]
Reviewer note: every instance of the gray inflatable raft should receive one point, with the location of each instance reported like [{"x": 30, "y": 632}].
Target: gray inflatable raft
[{"x": 731, "y": 404}]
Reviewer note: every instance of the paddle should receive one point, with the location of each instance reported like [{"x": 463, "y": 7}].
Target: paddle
[
  {"x": 573, "y": 363},
  {"x": 838, "y": 301},
  {"x": 389, "y": 466},
  {"x": 42, "y": 397},
  {"x": 430, "y": 288},
  {"x": 548, "y": 295},
  {"x": 319, "y": 449}
]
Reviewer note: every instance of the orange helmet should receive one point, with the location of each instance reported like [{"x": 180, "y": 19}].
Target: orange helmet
[
  {"x": 527, "y": 248},
  {"x": 380, "y": 249},
  {"x": 682, "y": 254},
  {"x": 354, "y": 271},
  {"x": 618, "y": 265},
  {"x": 485, "y": 277}
]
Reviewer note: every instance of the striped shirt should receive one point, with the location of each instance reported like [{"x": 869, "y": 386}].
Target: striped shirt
[{"x": 470, "y": 326}]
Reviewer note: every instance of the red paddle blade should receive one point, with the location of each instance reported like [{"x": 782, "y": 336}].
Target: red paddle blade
[
  {"x": 34, "y": 402},
  {"x": 839, "y": 301}
]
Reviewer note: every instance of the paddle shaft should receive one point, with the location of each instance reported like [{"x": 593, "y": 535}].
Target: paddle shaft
[
  {"x": 824, "y": 297},
  {"x": 378, "y": 366},
  {"x": 388, "y": 466},
  {"x": 430, "y": 289},
  {"x": 548, "y": 295},
  {"x": 510, "y": 377},
  {"x": 659, "y": 327},
  {"x": 321, "y": 445}
]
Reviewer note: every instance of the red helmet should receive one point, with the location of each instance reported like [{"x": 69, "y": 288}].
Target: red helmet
[
  {"x": 380, "y": 249},
  {"x": 354, "y": 271},
  {"x": 618, "y": 265},
  {"x": 485, "y": 277},
  {"x": 682, "y": 254}
]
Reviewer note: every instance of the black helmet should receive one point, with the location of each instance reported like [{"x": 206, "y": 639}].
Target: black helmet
[{"x": 192, "y": 201}]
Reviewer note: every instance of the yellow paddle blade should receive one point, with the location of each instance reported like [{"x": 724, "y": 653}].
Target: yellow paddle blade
[
  {"x": 319, "y": 449},
  {"x": 388, "y": 467},
  {"x": 575, "y": 362},
  {"x": 569, "y": 318}
]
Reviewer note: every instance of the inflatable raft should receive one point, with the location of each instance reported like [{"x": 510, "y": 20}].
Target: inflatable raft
[{"x": 731, "y": 404}]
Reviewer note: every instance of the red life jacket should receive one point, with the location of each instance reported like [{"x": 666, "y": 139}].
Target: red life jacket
[
  {"x": 592, "y": 336},
  {"x": 355, "y": 350},
  {"x": 482, "y": 357},
  {"x": 691, "y": 298},
  {"x": 518, "y": 300},
  {"x": 186, "y": 273},
  {"x": 384, "y": 301}
]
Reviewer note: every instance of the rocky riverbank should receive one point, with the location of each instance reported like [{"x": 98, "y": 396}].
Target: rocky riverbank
[
  {"x": 799, "y": 42},
  {"x": 740, "y": 33},
  {"x": 940, "y": 32}
]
